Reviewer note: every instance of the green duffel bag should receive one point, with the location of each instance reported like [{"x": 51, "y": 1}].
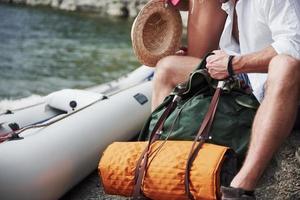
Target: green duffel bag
[{"x": 232, "y": 122}]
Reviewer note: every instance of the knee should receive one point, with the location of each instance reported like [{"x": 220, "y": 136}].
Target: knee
[
  {"x": 284, "y": 74},
  {"x": 165, "y": 71}
]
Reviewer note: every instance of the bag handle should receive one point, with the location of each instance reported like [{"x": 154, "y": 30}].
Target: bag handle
[{"x": 202, "y": 135}]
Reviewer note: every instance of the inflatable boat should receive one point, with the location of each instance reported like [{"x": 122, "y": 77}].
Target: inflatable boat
[{"x": 50, "y": 146}]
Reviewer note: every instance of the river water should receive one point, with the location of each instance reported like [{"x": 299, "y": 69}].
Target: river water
[{"x": 43, "y": 50}]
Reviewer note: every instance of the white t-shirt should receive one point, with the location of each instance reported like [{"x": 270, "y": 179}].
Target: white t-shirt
[{"x": 262, "y": 23}]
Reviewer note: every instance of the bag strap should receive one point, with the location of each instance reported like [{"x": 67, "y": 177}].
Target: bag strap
[
  {"x": 203, "y": 133},
  {"x": 145, "y": 130},
  {"x": 141, "y": 168},
  {"x": 143, "y": 160},
  {"x": 201, "y": 137}
]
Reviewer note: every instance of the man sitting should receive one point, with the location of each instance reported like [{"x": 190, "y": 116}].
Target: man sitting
[{"x": 264, "y": 37}]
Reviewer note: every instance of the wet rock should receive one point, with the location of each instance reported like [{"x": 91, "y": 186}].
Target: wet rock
[
  {"x": 56, "y": 3},
  {"x": 117, "y": 9},
  {"x": 39, "y": 2},
  {"x": 91, "y": 5},
  {"x": 18, "y": 1},
  {"x": 135, "y": 6},
  {"x": 69, "y": 5},
  {"x": 5, "y": 1}
]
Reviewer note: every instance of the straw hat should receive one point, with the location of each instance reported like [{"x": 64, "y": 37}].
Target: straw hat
[{"x": 156, "y": 32}]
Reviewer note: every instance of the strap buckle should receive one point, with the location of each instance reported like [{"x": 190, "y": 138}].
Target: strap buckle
[{"x": 221, "y": 84}]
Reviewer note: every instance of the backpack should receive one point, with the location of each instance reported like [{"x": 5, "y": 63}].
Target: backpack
[{"x": 233, "y": 119}]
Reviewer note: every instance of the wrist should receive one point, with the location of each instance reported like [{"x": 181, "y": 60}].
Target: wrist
[
  {"x": 230, "y": 70},
  {"x": 237, "y": 64}
]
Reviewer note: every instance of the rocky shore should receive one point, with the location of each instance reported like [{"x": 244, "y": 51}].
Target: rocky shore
[{"x": 118, "y": 8}]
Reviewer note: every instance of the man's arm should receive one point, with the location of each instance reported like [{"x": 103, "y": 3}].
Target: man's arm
[
  {"x": 257, "y": 62},
  {"x": 250, "y": 63},
  {"x": 283, "y": 19}
]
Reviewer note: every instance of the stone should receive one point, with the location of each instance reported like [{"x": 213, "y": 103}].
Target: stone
[
  {"x": 133, "y": 9},
  {"x": 38, "y": 2},
  {"x": 91, "y": 5},
  {"x": 135, "y": 6},
  {"x": 117, "y": 9},
  {"x": 19, "y": 1},
  {"x": 56, "y": 3},
  {"x": 69, "y": 5},
  {"x": 5, "y": 1}
]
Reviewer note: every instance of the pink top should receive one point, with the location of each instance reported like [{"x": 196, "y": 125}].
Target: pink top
[{"x": 174, "y": 2}]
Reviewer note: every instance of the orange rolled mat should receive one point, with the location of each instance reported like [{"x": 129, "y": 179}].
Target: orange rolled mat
[{"x": 164, "y": 178}]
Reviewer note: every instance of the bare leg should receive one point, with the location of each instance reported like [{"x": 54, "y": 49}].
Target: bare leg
[
  {"x": 206, "y": 22},
  {"x": 205, "y": 26},
  {"x": 274, "y": 119},
  {"x": 171, "y": 71}
]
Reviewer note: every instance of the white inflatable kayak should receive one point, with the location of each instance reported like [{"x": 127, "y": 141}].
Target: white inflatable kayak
[{"x": 61, "y": 138}]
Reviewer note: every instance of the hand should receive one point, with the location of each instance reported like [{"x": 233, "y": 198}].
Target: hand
[{"x": 217, "y": 65}]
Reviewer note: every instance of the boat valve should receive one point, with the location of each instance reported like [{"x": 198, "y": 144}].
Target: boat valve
[{"x": 73, "y": 105}]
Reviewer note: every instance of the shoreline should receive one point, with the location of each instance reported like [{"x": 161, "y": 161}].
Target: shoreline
[
  {"x": 117, "y": 8},
  {"x": 106, "y": 8}
]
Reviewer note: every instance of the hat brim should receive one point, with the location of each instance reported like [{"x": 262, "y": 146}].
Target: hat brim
[{"x": 156, "y": 32}]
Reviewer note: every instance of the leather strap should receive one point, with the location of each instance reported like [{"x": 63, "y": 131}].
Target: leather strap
[
  {"x": 143, "y": 160},
  {"x": 202, "y": 135},
  {"x": 230, "y": 67},
  {"x": 141, "y": 168}
]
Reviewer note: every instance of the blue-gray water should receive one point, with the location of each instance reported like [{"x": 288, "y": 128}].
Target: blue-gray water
[{"x": 43, "y": 50}]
